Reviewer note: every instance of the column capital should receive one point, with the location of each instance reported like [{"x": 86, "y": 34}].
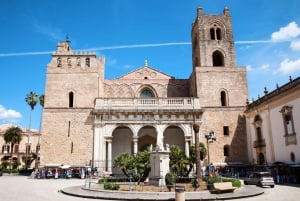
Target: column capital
[
  {"x": 108, "y": 138},
  {"x": 135, "y": 138},
  {"x": 188, "y": 138}
]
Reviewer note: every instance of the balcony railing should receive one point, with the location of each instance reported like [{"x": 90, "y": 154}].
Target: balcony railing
[
  {"x": 259, "y": 143},
  {"x": 147, "y": 103}
]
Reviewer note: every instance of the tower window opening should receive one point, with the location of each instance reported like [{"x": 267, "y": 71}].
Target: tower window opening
[
  {"x": 72, "y": 147},
  {"x": 219, "y": 34},
  {"x": 223, "y": 99},
  {"x": 69, "y": 127},
  {"x": 226, "y": 150},
  {"x": 226, "y": 130},
  {"x": 88, "y": 62},
  {"x": 215, "y": 34},
  {"x": 212, "y": 34},
  {"x": 71, "y": 99},
  {"x": 218, "y": 58}
]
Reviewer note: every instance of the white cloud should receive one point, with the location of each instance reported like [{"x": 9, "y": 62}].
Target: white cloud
[
  {"x": 8, "y": 114},
  {"x": 295, "y": 45},
  {"x": 288, "y": 32},
  {"x": 265, "y": 66},
  {"x": 127, "y": 66},
  {"x": 249, "y": 68},
  {"x": 287, "y": 66},
  {"x": 48, "y": 30}
]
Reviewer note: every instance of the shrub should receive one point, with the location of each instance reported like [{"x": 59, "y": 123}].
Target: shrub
[
  {"x": 102, "y": 181},
  {"x": 111, "y": 186},
  {"x": 169, "y": 179}
]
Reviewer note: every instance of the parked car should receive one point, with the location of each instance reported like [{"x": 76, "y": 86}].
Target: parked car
[{"x": 260, "y": 179}]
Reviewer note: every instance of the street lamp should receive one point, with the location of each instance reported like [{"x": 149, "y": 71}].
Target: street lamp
[{"x": 210, "y": 137}]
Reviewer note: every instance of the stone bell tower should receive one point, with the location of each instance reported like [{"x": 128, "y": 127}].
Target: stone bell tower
[
  {"x": 212, "y": 40},
  {"x": 73, "y": 80},
  {"x": 219, "y": 84}
]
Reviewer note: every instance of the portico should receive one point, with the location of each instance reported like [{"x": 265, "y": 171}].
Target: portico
[{"x": 132, "y": 125}]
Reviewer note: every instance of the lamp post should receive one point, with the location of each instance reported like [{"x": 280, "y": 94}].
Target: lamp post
[{"x": 210, "y": 137}]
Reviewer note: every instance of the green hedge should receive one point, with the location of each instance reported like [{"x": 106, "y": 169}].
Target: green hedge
[{"x": 111, "y": 186}]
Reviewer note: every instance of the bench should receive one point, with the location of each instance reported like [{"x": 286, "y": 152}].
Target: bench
[{"x": 224, "y": 187}]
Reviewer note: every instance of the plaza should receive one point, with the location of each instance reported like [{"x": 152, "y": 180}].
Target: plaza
[{"x": 22, "y": 188}]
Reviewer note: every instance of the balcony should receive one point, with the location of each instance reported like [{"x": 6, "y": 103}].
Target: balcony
[
  {"x": 259, "y": 143},
  {"x": 148, "y": 103}
]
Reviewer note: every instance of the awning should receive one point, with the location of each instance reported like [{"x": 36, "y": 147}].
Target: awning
[
  {"x": 219, "y": 164},
  {"x": 65, "y": 166},
  {"x": 53, "y": 165}
]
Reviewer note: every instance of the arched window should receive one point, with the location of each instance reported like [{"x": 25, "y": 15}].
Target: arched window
[
  {"x": 71, "y": 99},
  {"x": 146, "y": 93},
  {"x": 292, "y": 157},
  {"x": 59, "y": 62},
  {"x": 226, "y": 150},
  {"x": 223, "y": 99},
  {"x": 212, "y": 34},
  {"x": 219, "y": 34},
  {"x": 87, "y": 62},
  {"x": 215, "y": 33},
  {"x": 218, "y": 58},
  {"x": 258, "y": 133},
  {"x": 257, "y": 118}
]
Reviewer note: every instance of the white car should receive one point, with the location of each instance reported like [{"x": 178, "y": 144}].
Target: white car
[{"x": 260, "y": 179}]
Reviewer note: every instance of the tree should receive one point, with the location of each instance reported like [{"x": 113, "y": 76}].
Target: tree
[
  {"x": 12, "y": 135},
  {"x": 31, "y": 99},
  {"x": 41, "y": 99},
  {"x": 203, "y": 152},
  {"x": 179, "y": 162},
  {"x": 137, "y": 167},
  {"x": 125, "y": 163}
]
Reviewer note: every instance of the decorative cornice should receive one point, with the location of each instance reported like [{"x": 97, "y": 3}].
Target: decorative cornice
[{"x": 279, "y": 91}]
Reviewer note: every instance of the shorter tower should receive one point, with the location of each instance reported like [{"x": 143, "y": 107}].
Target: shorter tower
[{"x": 73, "y": 81}]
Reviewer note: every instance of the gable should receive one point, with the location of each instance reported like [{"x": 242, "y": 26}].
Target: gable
[{"x": 146, "y": 73}]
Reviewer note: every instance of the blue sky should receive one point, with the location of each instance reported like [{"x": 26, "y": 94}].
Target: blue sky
[{"x": 127, "y": 32}]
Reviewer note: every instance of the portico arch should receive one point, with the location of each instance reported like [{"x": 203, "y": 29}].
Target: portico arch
[
  {"x": 174, "y": 135},
  {"x": 147, "y": 136},
  {"x": 121, "y": 143}
]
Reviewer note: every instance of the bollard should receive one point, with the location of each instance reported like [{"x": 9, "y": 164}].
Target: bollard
[{"x": 179, "y": 193}]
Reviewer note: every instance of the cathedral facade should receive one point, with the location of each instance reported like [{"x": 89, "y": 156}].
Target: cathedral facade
[{"x": 89, "y": 120}]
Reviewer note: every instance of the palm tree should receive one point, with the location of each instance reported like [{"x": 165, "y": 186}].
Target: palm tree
[
  {"x": 12, "y": 135},
  {"x": 179, "y": 163},
  {"x": 41, "y": 100},
  {"x": 31, "y": 99}
]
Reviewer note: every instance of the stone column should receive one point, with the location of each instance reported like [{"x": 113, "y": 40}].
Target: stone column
[
  {"x": 135, "y": 144},
  {"x": 109, "y": 154},
  {"x": 97, "y": 145},
  {"x": 187, "y": 146}
]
